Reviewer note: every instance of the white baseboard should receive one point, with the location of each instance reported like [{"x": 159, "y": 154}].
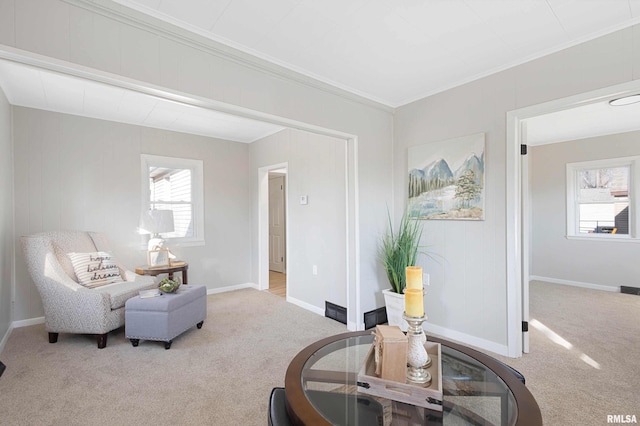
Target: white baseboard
[
  {"x": 305, "y": 305},
  {"x": 575, "y": 283},
  {"x": 231, "y": 288},
  {"x": 18, "y": 324},
  {"x": 5, "y": 338},
  {"x": 311, "y": 308},
  {"x": 351, "y": 326},
  {"x": 28, "y": 322},
  {"x": 466, "y": 339}
]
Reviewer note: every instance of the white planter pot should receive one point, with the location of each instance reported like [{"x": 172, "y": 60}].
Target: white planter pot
[{"x": 394, "y": 304}]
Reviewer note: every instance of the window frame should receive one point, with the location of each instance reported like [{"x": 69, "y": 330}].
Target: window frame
[
  {"x": 197, "y": 193},
  {"x": 572, "y": 187}
]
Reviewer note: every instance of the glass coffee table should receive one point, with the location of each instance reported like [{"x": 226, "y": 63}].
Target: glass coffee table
[{"x": 321, "y": 387}]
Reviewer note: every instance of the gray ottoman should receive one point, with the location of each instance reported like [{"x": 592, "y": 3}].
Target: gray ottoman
[{"x": 165, "y": 317}]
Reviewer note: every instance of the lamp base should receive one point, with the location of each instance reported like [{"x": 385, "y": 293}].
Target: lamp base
[{"x": 155, "y": 243}]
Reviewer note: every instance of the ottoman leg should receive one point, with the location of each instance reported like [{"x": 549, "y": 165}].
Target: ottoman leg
[
  {"x": 199, "y": 325},
  {"x": 167, "y": 345},
  {"x": 135, "y": 342}
]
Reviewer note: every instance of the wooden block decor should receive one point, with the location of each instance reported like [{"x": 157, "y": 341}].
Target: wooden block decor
[{"x": 391, "y": 353}]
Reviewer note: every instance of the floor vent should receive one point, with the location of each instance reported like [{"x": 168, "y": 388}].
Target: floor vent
[
  {"x": 630, "y": 290},
  {"x": 375, "y": 317},
  {"x": 335, "y": 312}
]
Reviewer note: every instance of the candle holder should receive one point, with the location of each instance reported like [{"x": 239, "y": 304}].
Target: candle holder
[{"x": 417, "y": 357}]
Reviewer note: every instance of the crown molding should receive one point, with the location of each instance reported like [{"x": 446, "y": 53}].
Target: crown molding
[{"x": 128, "y": 16}]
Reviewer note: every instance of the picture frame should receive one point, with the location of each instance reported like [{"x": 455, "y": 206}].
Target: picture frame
[
  {"x": 158, "y": 258},
  {"x": 446, "y": 179}
]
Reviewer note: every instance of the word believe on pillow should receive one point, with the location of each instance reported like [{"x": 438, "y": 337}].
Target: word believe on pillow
[{"x": 95, "y": 269}]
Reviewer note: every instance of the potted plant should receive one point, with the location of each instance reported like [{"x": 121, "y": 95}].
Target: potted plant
[{"x": 400, "y": 248}]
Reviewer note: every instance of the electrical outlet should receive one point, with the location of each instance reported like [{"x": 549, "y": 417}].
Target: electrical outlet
[{"x": 315, "y": 269}]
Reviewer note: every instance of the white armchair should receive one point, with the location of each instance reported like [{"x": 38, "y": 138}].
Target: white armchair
[{"x": 68, "y": 306}]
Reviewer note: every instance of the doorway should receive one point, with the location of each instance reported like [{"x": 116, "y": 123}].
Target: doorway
[
  {"x": 277, "y": 232},
  {"x": 518, "y": 203},
  {"x": 274, "y": 245}
]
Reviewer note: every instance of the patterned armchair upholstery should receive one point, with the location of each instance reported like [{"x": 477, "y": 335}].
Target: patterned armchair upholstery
[{"x": 68, "y": 306}]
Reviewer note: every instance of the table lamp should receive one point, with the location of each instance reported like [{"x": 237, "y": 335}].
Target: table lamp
[{"x": 156, "y": 222}]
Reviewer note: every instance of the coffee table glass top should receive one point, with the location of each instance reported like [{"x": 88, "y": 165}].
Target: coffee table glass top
[{"x": 473, "y": 394}]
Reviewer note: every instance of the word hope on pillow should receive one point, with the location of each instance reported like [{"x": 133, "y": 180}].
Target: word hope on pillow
[{"x": 95, "y": 269}]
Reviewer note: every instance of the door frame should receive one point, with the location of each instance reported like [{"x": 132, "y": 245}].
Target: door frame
[
  {"x": 516, "y": 219},
  {"x": 263, "y": 222}
]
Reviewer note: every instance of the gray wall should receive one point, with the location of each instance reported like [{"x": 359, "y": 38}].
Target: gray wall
[
  {"x": 6, "y": 217},
  {"x": 554, "y": 257},
  {"x": 95, "y": 34},
  {"x": 81, "y": 173},
  {"x": 467, "y": 298},
  {"x": 468, "y": 289},
  {"x": 316, "y": 231}
]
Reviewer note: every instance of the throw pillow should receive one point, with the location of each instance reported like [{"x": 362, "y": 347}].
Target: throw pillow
[{"x": 95, "y": 269}]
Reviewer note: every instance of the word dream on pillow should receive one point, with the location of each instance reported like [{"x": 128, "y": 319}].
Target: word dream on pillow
[{"x": 95, "y": 269}]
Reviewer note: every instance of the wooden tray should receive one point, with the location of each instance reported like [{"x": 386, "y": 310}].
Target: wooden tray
[{"x": 427, "y": 396}]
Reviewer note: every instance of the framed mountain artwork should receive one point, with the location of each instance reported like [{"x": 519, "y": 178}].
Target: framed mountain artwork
[{"x": 446, "y": 179}]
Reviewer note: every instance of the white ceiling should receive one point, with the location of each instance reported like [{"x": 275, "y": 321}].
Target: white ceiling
[
  {"x": 43, "y": 89},
  {"x": 390, "y": 51},
  {"x": 396, "y": 51},
  {"x": 595, "y": 119}
]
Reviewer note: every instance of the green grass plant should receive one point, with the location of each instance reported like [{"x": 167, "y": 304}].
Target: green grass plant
[{"x": 401, "y": 249}]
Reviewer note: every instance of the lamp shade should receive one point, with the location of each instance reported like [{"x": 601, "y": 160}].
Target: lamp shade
[{"x": 156, "y": 222}]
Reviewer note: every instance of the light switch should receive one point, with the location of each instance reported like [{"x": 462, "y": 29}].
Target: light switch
[{"x": 304, "y": 200}]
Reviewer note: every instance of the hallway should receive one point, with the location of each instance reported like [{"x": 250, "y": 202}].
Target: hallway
[{"x": 277, "y": 283}]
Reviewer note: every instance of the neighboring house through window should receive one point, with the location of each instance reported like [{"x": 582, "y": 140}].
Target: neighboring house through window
[{"x": 602, "y": 197}]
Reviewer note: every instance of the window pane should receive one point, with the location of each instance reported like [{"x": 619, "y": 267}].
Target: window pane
[
  {"x": 170, "y": 184},
  {"x": 182, "y": 219},
  {"x": 171, "y": 189},
  {"x": 603, "y": 200}
]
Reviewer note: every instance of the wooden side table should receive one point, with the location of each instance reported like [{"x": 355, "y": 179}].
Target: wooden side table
[{"x": 157, "y": 270}]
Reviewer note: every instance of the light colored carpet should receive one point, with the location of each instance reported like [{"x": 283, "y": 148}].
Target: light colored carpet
[
  {"x": 585, "y": 354},
  {"x": 223, "y": 373}
]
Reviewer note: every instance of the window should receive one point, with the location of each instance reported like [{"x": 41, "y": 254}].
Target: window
[
  {"x": 601, "y": 197},
  {"x": 175, "y": 184}
]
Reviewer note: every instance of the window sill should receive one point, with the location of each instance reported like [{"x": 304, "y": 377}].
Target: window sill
[
  {"x": 169, "y": 243},
  {"x": 604, "y": 237},
  {"x": 193, "y": 243}
]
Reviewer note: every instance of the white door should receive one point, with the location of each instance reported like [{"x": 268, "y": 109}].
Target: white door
[{"x": 277, "y": 229}]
